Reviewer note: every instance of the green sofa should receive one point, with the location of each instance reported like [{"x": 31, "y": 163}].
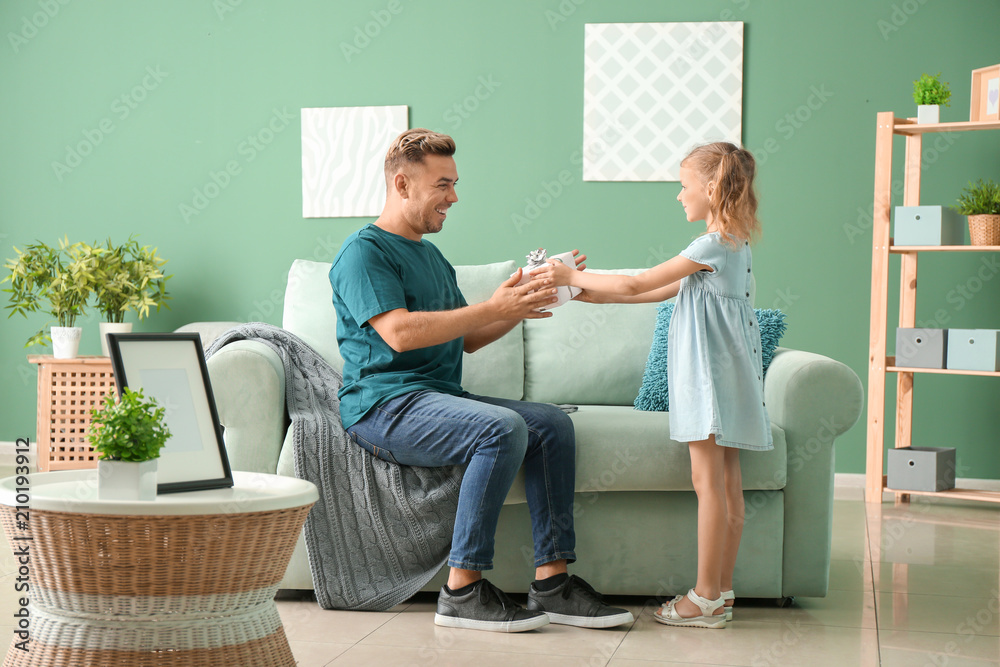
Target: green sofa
[{"x": 635, "y": 512}]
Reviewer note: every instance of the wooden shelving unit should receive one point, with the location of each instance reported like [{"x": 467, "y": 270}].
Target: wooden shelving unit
[{"x": 880, "y": 365}]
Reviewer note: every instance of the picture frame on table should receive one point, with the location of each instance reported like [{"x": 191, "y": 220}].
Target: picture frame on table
[
  {"x": 985, "y": 103},
  {"x": 170, "y": 367}
]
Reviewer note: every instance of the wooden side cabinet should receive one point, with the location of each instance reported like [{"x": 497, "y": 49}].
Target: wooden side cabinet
[
  {"x": 881, "y": 366},
  {"x": 67, "y": 390}
]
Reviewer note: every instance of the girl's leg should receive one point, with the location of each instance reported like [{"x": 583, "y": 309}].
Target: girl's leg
[
  {"x": 735, "y": 510},
  {"x": 708, "y": 476}
]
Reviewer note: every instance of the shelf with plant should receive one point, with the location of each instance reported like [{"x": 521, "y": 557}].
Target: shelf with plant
[
  {"x": 981, "y": 203},
  {"x": 930, "y": 93}
]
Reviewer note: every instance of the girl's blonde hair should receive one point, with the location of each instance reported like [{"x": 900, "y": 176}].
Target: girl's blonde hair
[{"x": 733, "y": 201}]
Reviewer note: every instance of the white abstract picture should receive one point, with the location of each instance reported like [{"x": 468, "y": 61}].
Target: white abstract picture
[
  {"x": 654, "y": 91},
  {"x": 343, "y": 151}
]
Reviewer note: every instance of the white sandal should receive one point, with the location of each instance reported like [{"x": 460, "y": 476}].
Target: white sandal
[
  {"x": 727, "y": 596},
  {"x": 667, "y": 614}
]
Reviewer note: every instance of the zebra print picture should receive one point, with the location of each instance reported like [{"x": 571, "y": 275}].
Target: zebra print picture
[{"x": 343, "y": 149}]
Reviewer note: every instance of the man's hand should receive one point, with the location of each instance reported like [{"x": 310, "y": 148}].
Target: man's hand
[{"x": 513, "y": 302}]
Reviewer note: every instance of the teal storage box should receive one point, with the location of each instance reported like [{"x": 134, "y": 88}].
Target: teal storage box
[
  {"x": 928, "y": 225},
  {"x": 921, "y": 469},
  {"x": 974, "y": 349},
  {"x": 921, "y": 348}
]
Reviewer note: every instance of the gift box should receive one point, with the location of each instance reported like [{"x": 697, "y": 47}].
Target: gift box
[{"x": 538, "y": 259}]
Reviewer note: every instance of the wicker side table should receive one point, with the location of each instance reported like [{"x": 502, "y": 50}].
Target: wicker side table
[
  {"x": 67, "y": 390},
  {"x": 188, "y": 579}
]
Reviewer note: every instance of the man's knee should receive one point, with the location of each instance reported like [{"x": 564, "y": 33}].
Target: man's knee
[
  {"x": 510, "y": 433},
  {"x": 558, "y": 427}
]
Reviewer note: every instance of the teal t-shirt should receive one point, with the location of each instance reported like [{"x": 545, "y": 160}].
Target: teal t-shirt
[{"x": 375, "y": 272}]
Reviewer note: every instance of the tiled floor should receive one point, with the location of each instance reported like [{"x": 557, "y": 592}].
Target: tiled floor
[{"x": 914, "y": 585}]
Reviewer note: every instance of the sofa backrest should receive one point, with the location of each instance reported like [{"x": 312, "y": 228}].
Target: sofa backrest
[
  {"x": 589, "y": 354},
  {"x": 496, "y": 370}
]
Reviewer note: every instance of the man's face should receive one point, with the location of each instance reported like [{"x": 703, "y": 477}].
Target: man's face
[{"x": 430, "y": 193}]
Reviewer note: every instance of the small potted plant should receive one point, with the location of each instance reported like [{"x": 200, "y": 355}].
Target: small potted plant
[
  {"x": 930, "y": 92},
  {"x": 130, "y": 278},
  {"x": 63, "y": 278},
  {"x": 981, "y": 202},
  {"x": 128, "y": 434}
]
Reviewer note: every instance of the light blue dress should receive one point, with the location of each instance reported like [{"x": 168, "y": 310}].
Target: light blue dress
[{"x": 714, "y": 366}]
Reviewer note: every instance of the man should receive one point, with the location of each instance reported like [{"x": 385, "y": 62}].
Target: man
[{"x": 402, "y": 325}]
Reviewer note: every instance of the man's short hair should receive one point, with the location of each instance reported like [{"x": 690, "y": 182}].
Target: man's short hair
[{"x": 411, "y": 146}]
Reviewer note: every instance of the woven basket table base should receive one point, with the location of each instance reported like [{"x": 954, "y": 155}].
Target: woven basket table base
[
  {"x": 272, "y": 650},
  {"x": 191, "y": 590}
]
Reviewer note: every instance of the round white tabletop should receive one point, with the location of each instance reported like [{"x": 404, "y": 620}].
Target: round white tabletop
[{"x": 76, "y": 491}]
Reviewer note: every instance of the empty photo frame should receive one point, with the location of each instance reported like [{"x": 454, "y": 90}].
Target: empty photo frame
[
  {"x": 170, "y": 367},
  {"x": 985, "y": 105}
]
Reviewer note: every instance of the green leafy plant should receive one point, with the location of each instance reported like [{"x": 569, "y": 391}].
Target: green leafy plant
[
  {"x": 931, "y": 90},
  {"x": 131, "y": 429},
  {"x": 130, "y": 278},
  {"x": 983, "y": 198},
  {"x": 57, "y": 281}
]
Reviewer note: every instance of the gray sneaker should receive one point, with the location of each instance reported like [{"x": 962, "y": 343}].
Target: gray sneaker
[
  {"x": 485, "y": 607},
  {"x": 575, "y": 602}
]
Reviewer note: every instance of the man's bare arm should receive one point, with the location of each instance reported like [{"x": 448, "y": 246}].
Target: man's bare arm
[{"x": 484, "y": 322}]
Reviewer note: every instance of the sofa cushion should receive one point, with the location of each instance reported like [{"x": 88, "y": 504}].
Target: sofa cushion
[
  {"x": 619, "y": 448},
  {"x": 308, "y": 311},
  {"x": 498, "y": 368},
  {"x": 588, "y": 354}
]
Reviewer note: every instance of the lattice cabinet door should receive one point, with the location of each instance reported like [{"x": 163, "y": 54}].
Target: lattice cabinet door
[{"x": 67, "y": 390}]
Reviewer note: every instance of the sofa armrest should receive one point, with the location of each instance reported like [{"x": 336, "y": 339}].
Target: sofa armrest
[
  {"x": 814, "y": 399},
  {"x": 248, "y": 382}
]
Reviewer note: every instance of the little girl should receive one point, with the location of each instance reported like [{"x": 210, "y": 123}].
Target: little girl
[{"x": 713, "y": 361}]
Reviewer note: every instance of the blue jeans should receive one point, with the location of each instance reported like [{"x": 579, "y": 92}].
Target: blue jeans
[{"x": 492, "y": 437}]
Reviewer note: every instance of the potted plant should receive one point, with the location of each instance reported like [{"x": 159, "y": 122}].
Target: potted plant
[
  {"x": 128, "y": 434},
  {"x": 981, "y": 202},
  {"x": 930, "y": 92},
  {"x": 130, "y": 278},
  {"x": 63, "y": 278}
]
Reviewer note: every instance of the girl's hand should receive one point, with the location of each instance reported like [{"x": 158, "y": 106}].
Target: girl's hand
[
  {"x": 587, "y": 296},
  {"x": 559, "y": 273},
  {"x": 555, "y": 271}
]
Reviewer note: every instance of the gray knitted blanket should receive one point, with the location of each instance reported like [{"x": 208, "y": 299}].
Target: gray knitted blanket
[{"x": 379, "y": 531}]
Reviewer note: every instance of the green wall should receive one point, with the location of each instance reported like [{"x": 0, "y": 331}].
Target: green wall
[{"x": 203, "y": 81}]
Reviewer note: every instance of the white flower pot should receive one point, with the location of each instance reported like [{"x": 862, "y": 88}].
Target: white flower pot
[
  {"x": 65, "y": 342},
  {"x": 126, "y": 480},
  {"x": 928, "y": 113},
  {"x": 112, "y": 327}
]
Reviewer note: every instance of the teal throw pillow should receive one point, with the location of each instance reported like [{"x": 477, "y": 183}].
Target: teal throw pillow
[{"x": 654, "y": 394}]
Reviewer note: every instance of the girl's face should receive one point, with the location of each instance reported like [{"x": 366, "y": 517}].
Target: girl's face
[{"x": 695, "y": 196}]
